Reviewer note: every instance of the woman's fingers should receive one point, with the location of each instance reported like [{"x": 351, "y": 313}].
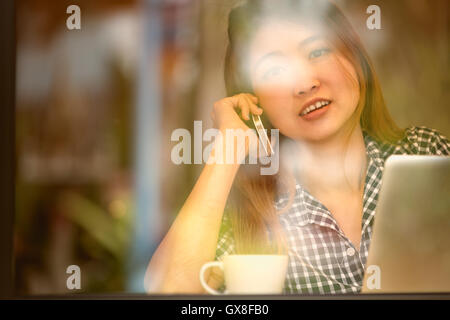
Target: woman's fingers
[
  {"x": 240, "y": 101},
  {"x": 246, "y": 102},
  {"x": 253, "y": 98},
  {"x": 252, "y": 102},
  {"x": 245, "y": 108}
]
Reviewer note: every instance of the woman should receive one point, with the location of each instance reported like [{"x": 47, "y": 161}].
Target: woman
[{"x": 283, "y": 58}]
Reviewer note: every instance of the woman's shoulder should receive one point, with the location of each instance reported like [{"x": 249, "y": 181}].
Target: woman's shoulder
[
  {"x": 417, "y": 140},
  {"x": 423, "y": 140}
]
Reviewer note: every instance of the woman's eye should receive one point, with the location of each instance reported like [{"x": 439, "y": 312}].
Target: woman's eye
[
  {"x": 273, "y": 72},
  {"x": 319, "y": 52}
]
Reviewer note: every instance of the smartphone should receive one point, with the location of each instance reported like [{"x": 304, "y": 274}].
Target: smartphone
[{"x": 262, "y": 134}]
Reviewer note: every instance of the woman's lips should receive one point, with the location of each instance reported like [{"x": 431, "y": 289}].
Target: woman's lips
[{"x": 316, "y": 114}]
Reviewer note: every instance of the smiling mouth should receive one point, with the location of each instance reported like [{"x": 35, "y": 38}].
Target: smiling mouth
[{"x": 318, "y": 105}]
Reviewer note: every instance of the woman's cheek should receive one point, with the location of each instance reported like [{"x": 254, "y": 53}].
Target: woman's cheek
[
  {"x": 273, "y": 96},
  {"x": 343, "y": 74},
  {"x": 279, "y": 116},
  {"x": 276, "y": 103},
  {"x": 275, "y": 106}
]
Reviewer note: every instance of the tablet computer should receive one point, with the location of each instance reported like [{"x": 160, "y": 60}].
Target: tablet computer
[{"x": 410, "y": 246}]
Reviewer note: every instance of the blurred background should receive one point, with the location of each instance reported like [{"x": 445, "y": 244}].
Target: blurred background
[{"x": 95, "y": 109}]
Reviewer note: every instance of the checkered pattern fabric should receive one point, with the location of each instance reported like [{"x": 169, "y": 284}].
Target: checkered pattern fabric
[{"x": 322, "y": 259}]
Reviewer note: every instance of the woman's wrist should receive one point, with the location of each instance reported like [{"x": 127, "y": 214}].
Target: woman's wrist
[{"x": 230, "y": 148}]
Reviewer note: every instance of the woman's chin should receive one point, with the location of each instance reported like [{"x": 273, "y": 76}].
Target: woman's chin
[{"x": 316, "y": 135}]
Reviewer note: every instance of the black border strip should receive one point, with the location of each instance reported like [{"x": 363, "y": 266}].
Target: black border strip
[
  {"x": 131, "y": 296},
  {"x": 7, "y": 138}
]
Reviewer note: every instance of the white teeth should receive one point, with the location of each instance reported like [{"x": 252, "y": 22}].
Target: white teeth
[{"x": 313, "y": 107}]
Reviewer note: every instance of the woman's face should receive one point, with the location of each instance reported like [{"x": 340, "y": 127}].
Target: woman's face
[{"x": 292, "y": 68}]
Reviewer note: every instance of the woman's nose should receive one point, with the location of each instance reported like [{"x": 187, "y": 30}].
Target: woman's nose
[
  {"x": 307, "y": 87},
  {"x": 305, "y": 81}
]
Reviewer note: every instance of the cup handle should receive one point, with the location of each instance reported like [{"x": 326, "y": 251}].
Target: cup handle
[{"x": 202, "y": 272}]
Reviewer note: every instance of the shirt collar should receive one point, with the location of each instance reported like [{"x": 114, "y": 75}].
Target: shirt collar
[
  {"x": 374, "y": 151},
  {"x": 306, "y": 209}
]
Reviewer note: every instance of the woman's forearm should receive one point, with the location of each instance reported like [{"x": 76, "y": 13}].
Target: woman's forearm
[{"x": 192, "y": 238}]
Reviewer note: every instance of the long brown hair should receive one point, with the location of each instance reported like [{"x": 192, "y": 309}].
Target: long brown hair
[{"x": 254, "y": 218}]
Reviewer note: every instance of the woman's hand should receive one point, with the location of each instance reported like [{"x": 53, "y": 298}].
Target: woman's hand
[
  {"x": 225, "y": 117},
  {"x": 224, "y": 112}
]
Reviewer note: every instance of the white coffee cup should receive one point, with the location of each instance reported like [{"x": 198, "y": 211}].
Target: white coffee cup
[{"x": 249, "y": 274}]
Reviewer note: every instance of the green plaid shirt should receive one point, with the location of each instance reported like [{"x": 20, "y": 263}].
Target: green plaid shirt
[{"x": 321, "y": 258}]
